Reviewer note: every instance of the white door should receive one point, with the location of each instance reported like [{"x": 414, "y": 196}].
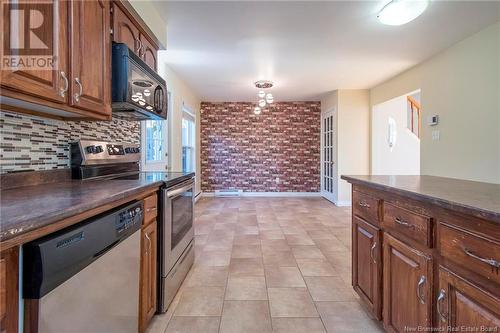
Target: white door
[{"x": 328, "y": 156}]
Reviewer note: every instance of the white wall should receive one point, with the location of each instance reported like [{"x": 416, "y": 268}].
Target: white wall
[
  {"x": 462, "y": 86},
  {"x": 353, "y": 138},
  {"x": 151, "y": 16},
  {"x": 404, "y": 157},
  {"x": 182, "y": 95}
]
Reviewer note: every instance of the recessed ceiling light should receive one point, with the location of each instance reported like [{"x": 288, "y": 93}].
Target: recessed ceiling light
[
  {"x": 256, "y": 110},
  {"x": 262, "y": 103},
  {"x": 399, "y": 12}
]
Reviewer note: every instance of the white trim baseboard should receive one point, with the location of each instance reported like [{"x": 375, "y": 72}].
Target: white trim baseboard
[
  {"x": 269, "y": 194},
  {"x": 343, "y": 203}
]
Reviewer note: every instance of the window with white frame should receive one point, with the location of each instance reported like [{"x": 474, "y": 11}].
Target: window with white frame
[
  {"x": 154, "y": 142},
  {"x": 188, "y": 141},
  {"x": 155, "y": 147}
]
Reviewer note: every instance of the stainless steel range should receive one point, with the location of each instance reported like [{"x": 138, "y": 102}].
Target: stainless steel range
[{"x": 94, "y": 160}]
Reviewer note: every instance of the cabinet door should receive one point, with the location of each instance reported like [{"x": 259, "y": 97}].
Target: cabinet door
[
  {"x": 147, "y": 303},
  {"x": 50, "y": 39},
  {"x": 366, "y": 265},
  {"x": 407, "y": 287},
  {"x": 461, "y": 303},
  {"x": 148, "y": 53},
  {"x": 9, "y": 291},
  {"x": 90, "y": 56},
  {"x": 124, "y": 30}
]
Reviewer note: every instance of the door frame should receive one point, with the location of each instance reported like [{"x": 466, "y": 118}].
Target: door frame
[{"x": 327, "y": 195}]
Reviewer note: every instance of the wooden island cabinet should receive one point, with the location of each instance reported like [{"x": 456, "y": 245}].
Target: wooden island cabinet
[{"x": 426, "y": 252}]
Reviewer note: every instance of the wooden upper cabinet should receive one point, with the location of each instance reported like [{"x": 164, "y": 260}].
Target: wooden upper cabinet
[
  {"x": 148, "y": 53},
  {"x": 461, "y": 303},
  {"x": 124, "y": 30},
  {"x": 407, "y": 287},
  {"x": 50, "y": 85},
  {"x": 90, "y": 56},
  {"x": 367, "y": 265}
]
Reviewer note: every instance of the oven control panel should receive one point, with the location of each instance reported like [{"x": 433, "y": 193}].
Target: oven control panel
[
  {"x": 87, "y": 152},
  {"x": 115, "y": 149}
]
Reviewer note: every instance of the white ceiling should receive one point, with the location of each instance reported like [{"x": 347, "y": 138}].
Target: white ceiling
[{"x": 306, "y": 48}]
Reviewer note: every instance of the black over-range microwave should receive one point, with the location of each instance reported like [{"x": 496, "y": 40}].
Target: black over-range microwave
[{"x": 138, "y": 92}]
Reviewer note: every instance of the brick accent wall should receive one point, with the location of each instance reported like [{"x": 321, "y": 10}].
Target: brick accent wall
[{"x": 244, "y": 151}]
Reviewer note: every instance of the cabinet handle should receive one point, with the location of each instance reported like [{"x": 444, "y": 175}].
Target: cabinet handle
[
  {"x": 421, "y": 282},
  {"x": 151, "y": 209},
  {"x": 442, "y": 295},
  {"x": 136, "y": 43},
  {"x": 364, "y": 204},
  {"x": 77, "y": 95},
  {"x": 492, "y": 262},
  {"x": 371, "y": 252},
  {"x": 63, "y": 91},
  {"x": 140, "y": 47},
  {"x": 149, "y": 243},
  {"x": 402, "y": 222}
]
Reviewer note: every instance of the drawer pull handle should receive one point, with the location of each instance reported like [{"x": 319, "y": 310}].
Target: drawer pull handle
[
  {"x": 442, "y": 295},
  {"x": 371, "y": 252},
  {"x": 150, "y": 209},
  {"x": 421, "y": 282},
  {"x": 492, "y": 262},
  {"x": 364, "y": 204},
  {"x": 402, "y": 222}
]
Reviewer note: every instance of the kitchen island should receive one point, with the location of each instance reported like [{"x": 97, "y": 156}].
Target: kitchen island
[{"x": 426, "y": 251}]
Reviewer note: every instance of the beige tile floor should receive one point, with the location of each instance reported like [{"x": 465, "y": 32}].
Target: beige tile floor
[{"x": 268, "y": 265}]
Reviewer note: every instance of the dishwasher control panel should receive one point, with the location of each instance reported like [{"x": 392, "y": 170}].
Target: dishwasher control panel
[{"x": 128, "y": 218}]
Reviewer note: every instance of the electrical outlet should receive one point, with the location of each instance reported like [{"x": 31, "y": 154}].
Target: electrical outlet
[
  {"x": 435, "y": 135},
  {"x": 277, "y": 180}
]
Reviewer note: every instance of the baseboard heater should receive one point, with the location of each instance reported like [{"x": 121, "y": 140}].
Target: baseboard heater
[{"x": 228, "y": 193}]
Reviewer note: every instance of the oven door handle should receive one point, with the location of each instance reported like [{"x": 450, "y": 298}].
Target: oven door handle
[{"x": 177, "y": 191}]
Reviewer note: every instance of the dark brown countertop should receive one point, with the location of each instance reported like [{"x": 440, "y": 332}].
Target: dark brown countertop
[
  {"x": 476, "y": 198},
  {"x": 25, "y": 209}
]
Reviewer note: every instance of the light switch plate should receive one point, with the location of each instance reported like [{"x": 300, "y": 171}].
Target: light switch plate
[{"x": 435, "y": 135}]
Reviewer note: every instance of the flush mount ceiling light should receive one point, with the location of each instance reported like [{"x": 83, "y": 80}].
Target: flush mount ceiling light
[{"x": 399, "y": 12}]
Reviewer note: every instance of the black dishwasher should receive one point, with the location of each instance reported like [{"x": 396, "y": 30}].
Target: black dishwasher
[{"x": 85, "y": 278}]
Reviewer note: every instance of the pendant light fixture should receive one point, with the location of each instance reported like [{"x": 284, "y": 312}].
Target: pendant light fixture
[{"x": 264, "y": 97}]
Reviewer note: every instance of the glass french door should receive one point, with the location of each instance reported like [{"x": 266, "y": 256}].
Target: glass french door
[{"x": 328, "y": 156}]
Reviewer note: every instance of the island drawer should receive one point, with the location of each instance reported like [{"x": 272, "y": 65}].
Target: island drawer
[
  {"x": 150, "y": 208},
  {"x": 407, "y": 223},
  {"x": 366, "y": 207},
  {"x": 473, "y": 252}
]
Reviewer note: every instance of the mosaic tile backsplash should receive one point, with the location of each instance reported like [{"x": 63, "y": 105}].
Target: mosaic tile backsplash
[
  {"x": 275, "y": 151},
  {"x": 33, "y": 143}
]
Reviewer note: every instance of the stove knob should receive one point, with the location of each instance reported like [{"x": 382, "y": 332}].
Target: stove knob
[
  {"x": 99, "y": 149},
  {"x": 116, "y": 150},
  {"x": 90, "y": 149},
  {"x": 128, "y": 150},
  {"x": 137, "y": 150}
]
